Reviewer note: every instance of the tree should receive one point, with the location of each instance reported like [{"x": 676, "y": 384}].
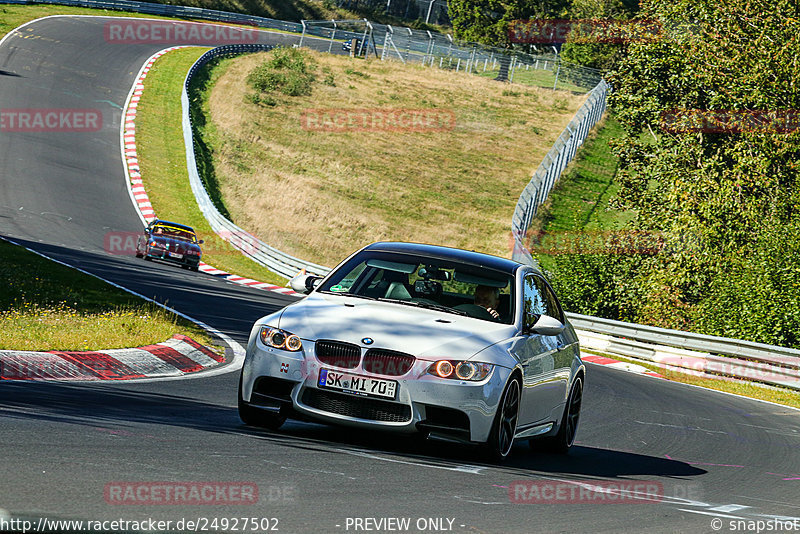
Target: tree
[
  {"x": 487, "y": 21},
  {"x": 723, "y": 200}
]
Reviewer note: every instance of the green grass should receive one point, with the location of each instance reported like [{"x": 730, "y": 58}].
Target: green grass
[
  {"x": 534, "y": 77},
  {"x": 777, "y": 395},
  {"x": 162, "y": 160},
  {"x": 48, "y": 306},
  {"x": 579, "y": 202}
]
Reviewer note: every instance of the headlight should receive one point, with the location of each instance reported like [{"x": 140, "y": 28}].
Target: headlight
[
  {"x": 280, "y": 339},
  {"x": 460, "y": 370}
]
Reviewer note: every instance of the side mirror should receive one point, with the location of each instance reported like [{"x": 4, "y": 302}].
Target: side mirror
[
  {"x": 547, "y": 326},
  {"x": 201, "y": 241},
  {"x": 304, "y": 283}
]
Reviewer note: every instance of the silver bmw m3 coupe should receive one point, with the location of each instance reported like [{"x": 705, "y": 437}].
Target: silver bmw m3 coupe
[{"x": 457, "y": 345}]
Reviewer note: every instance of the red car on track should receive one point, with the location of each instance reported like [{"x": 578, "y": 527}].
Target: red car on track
[{"x": 169, "y": 241}]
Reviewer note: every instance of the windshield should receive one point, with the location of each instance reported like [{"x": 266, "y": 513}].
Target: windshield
[
  {"x": 434, "y": 283},
  {"x": 174, "y": 233}
]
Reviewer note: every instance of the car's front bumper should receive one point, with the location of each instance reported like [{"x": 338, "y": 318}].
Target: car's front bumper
[
  {"x": 423, "y": 402},
  {"x": 188, "y": 260}
]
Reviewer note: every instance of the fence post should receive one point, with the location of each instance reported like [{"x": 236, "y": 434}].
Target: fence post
[
  {"x": 302, "y": 35},
  {"x": 386, "y": 38},
  {"x": 333, "y": 36},
  {"x": 558, "y": 69}
]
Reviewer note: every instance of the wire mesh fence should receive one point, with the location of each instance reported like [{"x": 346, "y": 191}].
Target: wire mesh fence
[
  {"x": 540, "y": 67},
  {"x": 556, "y": 160}
]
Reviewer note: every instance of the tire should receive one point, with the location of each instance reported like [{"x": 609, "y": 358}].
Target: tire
[
  {"x": 139, "y": 254},
  {"x": 563, "y": 441},
  {"x": 196, "y": 268},
  {"x": 260, "y": 418},
  {"x": 501, "y": 437}
]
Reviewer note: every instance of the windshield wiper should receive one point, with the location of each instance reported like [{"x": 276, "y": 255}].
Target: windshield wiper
[
  {"x": 348, "y": 294},
  {"x": 442, "y": 307},
  {"x": 426, "y": 305}
]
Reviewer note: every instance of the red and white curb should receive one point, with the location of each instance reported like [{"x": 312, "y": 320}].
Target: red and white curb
[
  {"x": 178, "y": 356},
  {"x": 616, "y": 364},
  {"x": 134, "y": 175},
  {"x": 208, "y": 269}
]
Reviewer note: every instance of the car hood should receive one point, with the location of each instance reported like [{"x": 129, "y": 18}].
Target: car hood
[
  {"x": 422, "y": 332},
  {"x": 175, "y": 245}
]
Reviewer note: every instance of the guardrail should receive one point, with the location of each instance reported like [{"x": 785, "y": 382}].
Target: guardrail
[
  {"x": 688, "y": 352},
  {"x": 556, "y": 160},
  {"x": 271, "y": 258}
]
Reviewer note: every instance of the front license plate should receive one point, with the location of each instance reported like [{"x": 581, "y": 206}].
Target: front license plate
[
  {"x": 357, "y": 385},
  {"x": 175, "y": 255}
]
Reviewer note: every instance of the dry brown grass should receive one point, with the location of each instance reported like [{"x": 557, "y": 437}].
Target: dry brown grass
[{"x": 320, "y": 195}]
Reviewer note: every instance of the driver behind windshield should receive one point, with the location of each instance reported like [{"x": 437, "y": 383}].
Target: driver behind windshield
[{"x": 488, "y": 298}]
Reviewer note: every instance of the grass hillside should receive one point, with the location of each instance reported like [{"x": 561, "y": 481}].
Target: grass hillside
[{"x": 319, "y": 195}]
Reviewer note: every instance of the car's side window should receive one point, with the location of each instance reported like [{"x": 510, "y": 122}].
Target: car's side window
[
  {"x": 539, "y": 299},
  {"x": 533, "y": 304},
  {"x": 552, "y": 306}
]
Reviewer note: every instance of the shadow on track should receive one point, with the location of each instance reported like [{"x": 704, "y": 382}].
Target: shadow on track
[{"x": 113, "y": 408}]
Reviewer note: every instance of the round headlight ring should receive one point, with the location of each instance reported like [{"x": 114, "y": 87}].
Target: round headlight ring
[
  {"x": 293, "y": 343},
  {"x": 277, "y": 338},
  {"x": 443, "y": 368},
  {"x": 466, "y": 370}
]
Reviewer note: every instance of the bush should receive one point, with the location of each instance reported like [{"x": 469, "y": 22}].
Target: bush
[{"x": 289, "y": 71}]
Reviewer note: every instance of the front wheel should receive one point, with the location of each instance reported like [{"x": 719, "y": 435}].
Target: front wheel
[
  {"x": 563, "y": 441},
  {"x": 255, "y": 417},
  {"x": 501, "y": 438}
]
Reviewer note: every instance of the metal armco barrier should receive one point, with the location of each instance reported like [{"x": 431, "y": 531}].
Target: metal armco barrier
[
  {"x": 687, "y": 352},
  {"x": 271, "y": 258}
]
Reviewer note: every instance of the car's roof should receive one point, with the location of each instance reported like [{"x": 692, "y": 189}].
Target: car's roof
[
  {"x": 170, "y": 223},
  {"x": 447, "y": 253}
]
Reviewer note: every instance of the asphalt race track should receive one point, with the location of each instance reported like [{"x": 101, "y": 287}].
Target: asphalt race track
[{"x": 709, "y": 454}]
